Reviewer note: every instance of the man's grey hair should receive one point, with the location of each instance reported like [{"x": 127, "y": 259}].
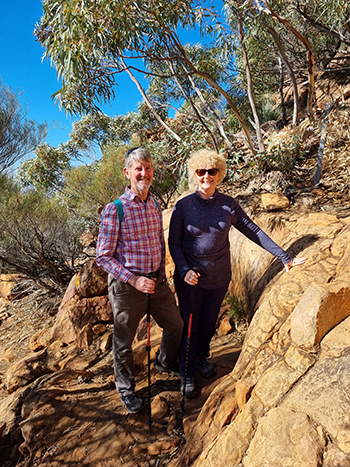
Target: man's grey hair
[{"x": 136, "y": 155}]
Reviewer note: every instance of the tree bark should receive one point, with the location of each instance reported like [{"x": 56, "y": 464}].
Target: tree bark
[
  {"x": 150, "y": 106},
  {"x": 217, "y": 119},
  {"x": 194, "y": 107},
  {"x": 290, "y": 72},
  {"x": 283, "y": 107},
  {"x": 250, "y": 84},
  {"x": 209, "y": 79},
  {"x": 309, "y": 55}
]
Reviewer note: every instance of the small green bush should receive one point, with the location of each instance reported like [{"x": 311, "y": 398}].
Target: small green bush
[
  {"x": 282, "y": 157},
  {"x": 237, "y": 311}
]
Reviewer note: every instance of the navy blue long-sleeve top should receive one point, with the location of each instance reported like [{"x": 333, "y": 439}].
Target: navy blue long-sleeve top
[{"x": 199, "y": 237}]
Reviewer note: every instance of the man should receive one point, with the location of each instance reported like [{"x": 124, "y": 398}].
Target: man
[{"x": 129, "y": 249}]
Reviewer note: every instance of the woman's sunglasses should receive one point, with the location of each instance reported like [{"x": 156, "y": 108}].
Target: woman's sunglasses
[{"x": 211, "y": 172}]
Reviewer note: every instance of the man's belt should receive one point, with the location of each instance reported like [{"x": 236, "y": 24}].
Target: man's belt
[{"x": 149, "y": 275}]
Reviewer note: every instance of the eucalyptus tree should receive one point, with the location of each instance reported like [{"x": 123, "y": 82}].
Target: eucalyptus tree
[
  {"x": 45, "y": 171},
  {"x": 239, "y": 11},
  {"x": 193, "y": 98},
  {"x": 331, "y": 21},
  {"x": 90, "y": 43},
  {"x": 266, "y": 8},
  {"x": 18, "y": 134},
  {"x": 319, "y": 28}
]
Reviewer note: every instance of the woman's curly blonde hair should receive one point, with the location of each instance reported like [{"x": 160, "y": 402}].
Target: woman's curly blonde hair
[{"x": 205, "y": 157}]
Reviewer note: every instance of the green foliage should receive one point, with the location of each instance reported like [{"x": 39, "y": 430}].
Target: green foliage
[
  {"x": 322, "y": 23},
  {"x": 237, "y": 308},
  {"x": 233, "y": 161},
  {"x": 282, "y": 157},
  {"x": 46, "y": 170},
  {"x": 98, "y": 129},
  {"x": 18, "y": 135},
  {"x": 38, "y": 237},
  {"x": 81, "y": 40},
  {"x": 268, "y": 110},
  {"x": 91, "y": 186}
]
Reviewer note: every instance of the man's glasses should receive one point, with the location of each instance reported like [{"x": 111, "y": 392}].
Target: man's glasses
[
  {"x": 211, "y": 172},
  {"x": 131, "y": 150}
]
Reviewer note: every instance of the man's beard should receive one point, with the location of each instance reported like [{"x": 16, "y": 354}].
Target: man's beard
[{"x": 143, "y": 188}]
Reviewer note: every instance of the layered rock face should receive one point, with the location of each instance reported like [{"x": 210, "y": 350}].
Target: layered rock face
[{"x": 286, "y": 403}]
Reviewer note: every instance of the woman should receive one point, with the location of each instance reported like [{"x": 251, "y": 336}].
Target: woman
[{"x": 199, "y": 245}]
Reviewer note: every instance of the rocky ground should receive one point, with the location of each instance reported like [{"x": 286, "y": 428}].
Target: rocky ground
[
  {"x": 73, "y": 396},
  {"x": 67, "y": 413}
]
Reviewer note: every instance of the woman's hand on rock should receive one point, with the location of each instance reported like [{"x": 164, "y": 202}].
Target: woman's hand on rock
[{"x": 294, "y": 262}]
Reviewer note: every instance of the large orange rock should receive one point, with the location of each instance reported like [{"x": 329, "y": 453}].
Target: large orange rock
[
  {"x": 26, "y": 370},
  {"x": 84, "y": 304},
  {"x": 285, "y": 402}
]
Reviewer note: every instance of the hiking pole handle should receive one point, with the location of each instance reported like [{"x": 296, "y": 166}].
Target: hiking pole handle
[{"x": 148, "y": 315}]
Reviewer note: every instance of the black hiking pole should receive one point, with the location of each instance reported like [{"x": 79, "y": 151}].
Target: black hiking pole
[
  {"x": 148, "y": 348},
  {"x": 193, "y": 290}
]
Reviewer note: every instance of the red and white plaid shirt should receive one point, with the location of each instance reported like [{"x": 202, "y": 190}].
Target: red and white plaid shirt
[{"x": 137, "y": 244}]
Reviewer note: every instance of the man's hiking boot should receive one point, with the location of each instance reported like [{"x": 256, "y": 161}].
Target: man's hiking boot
[
  {"x": 174, "y": 369},
  {"x": 190, "y": 389},
  {"x": 132, "y": 403},
  {"x": 205, "y": 368}
]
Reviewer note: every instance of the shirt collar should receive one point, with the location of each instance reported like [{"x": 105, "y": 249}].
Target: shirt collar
[
  {"x": 203, "y": 200},
  {"x": 133, "y": 196}
]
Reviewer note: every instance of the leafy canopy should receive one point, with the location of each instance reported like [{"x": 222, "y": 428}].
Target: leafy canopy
[
  {"x": 88, "y": 42},
  {"x": 18, "y": 135}
]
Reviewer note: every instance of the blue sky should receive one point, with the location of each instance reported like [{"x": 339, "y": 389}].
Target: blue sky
[{"x": 22, "y": 68}]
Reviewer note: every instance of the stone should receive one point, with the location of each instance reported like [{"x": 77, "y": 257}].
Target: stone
[
  {"x": 277, "y": 380},
  {"x": 318, "y": 311},
  {"x": 84, "y": 338},
  {"x": 223, "y": 452},
  {"x": 273, "y": 371},
  {"x": 243, "y": 391},
  {"x": 285, "y": 438},
  {"x": 8, "y": 285},
  {"x": 274, "y": 407},
  {"x": 335, "y": 457},
  {"x": 9, "y": 355},
  {"x": 335, "y": 344},
  {"x": 91, "y": 281},
  {"x": 322, "y": 394},
  {"x": 99, "y": 329},
  {"x": 159, "y": 407},
  {"x": 274, "y": 201},
  {"x": 87, "y": 239},
  {"x": 106, "y": 341},
  {"x": 40, "y": 340},
  {"x": 26, "y": 370},
  {"x": 77, "y": 313},
  {"x": 225, "y": 327},
  {"x": 57, "y": 345},
  {"x": 162, "y": 447}
]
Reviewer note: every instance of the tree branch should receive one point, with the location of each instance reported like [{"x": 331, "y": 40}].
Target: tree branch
[
  {"x": 147, "y": 101},
  {"x": 321, "y": 27}
]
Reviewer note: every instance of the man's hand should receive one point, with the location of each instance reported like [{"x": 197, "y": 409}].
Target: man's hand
[
  {"x": 143, "y": 284},
  {"x": 294, "y": 262}
]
